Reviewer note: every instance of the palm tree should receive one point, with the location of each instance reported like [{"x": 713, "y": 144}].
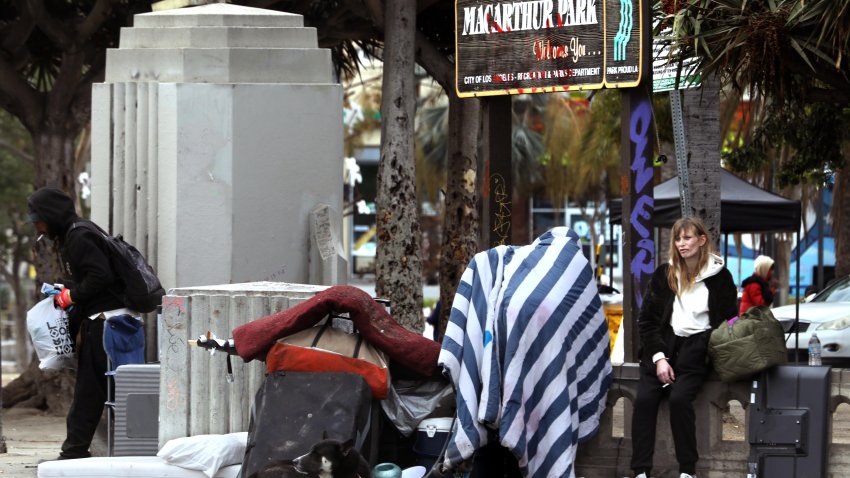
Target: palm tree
[
  {"x": 398, "y": 261},
  {"x": 790, "y": 57},
  {"x": 701, "y": 119}
]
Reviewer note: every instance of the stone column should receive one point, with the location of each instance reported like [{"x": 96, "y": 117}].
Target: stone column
[{"x": 217, "y": 130}]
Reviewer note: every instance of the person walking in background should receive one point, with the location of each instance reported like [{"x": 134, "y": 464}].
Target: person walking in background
[
  {"x": 757, "y": 287},
  {"x": 686, "y": 299},
  {"x": 90, "y": 295}
]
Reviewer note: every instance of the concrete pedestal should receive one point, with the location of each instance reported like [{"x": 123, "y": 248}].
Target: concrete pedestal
[{"x": 217, "y": 131}]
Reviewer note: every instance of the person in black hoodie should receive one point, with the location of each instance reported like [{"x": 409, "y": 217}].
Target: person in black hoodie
[
  {"x": 687, "y": 298},
  {"x": 89, "y": 297}
]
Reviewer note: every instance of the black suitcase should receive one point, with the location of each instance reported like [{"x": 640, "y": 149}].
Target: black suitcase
[{"x": 294, "y": 410}]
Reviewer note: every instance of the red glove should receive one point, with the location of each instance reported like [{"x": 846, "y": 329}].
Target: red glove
[{"x": 63, "y": 299}]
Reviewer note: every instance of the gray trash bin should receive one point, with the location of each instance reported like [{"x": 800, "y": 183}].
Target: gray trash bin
[{"x": 789, "y": 422}]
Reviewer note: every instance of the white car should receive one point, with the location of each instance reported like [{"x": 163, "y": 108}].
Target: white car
[{"x": 828, "y": 315}]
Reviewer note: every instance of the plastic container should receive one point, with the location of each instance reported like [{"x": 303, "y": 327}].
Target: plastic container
[
  {"x": 386, "y": 470},
  {"x": 431, "y": 436},
  {"x": 814, "y": 350}
]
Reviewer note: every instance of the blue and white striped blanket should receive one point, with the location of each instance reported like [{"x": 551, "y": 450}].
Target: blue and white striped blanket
[{"x": 527, "y": 350}]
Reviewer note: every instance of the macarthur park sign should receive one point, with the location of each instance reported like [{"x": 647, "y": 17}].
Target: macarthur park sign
[{"x": 537, "y": 46}]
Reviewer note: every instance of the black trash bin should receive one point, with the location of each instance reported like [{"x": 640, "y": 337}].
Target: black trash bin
[{"x": 789, "y": 422}]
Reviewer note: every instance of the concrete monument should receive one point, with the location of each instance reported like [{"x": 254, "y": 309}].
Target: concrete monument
[{"x": 217, "y": 131}]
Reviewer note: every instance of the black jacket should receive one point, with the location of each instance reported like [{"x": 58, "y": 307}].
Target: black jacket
[
  {"x": 83, "y": 251},
  {"x": 657, "y": 309}
]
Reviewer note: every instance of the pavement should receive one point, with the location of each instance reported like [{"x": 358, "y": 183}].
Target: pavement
[{"x": 30, "y": 436}]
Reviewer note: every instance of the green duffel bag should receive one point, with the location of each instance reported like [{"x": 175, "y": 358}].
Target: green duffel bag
[{"x": 754, "y": 342}]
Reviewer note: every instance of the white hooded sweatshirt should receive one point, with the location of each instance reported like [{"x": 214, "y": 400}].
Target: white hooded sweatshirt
[{"x": 690, "y": 308}]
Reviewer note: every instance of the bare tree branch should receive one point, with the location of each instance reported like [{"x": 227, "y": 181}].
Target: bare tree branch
[
  {"x": 18, "y": 97},
  {"x": 58, "y": 32},
  {"x": 435, "y": 63},
  {"x": 376, "y": 11},
  {"x": 81, "y": 104},
  {"x": 95, "y": 19},
  {"x": 423, "y": 5},
  {"x": 16, "y": 34},
  {"x": 65, "y": 85},
  {"x": 349, "y": 34}
]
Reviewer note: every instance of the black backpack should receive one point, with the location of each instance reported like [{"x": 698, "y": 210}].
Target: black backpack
[{"x": 142, "y": 290}]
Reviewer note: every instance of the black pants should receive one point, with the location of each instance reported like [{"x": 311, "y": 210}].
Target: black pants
[
  {"x": 687, "y": 357},
  {"x": 496, "y": 461},
  {"x": 90, "y": 391}
]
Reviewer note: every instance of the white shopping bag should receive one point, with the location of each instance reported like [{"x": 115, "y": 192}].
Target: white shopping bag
[{"x": 48, "y": 328}]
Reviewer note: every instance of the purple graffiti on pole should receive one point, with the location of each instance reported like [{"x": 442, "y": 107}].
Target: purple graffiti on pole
[{"x": 643, "y": 262}]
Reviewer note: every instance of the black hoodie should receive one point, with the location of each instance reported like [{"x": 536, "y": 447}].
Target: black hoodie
[{"x": 83, "y": 251}]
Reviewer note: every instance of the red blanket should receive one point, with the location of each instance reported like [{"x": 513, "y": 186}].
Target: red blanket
[{"x": 414, "y": 351}]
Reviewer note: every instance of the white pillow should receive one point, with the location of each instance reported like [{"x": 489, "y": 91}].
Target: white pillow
[{"x": 206, "y": 453}]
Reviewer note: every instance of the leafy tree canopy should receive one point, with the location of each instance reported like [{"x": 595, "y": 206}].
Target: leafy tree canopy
[
  {"x": 790, "y": 50},
  {"x": 788, "y": 56}
]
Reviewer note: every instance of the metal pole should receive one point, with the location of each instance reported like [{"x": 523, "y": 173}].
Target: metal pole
[
  {"x": 610, "y": 253},
  {"x": 797, "y": 306},
  {"x": 351, "y": 222},
  {"x": 498, "y": 180},
  {"x": 681, "y": 153},
  {"x": 820, "y": 239}
]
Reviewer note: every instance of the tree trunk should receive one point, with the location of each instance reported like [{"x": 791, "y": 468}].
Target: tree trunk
[
  {"x": 55, "y": 159},
  {"x": 48, "y": 390},
  {"x": 460, "y": 223},
  {"x": 841, "y": 222},
  {"x": 19, "y": 318},
  {"x": 701, "y": 110},
  {"x": 782, "y": 262},
  {"x": 398, "y": 262},
  {"x": 54, "y": 166},
  {"x": 666, "y": 171},
  {"x": 520, "y": 218}
]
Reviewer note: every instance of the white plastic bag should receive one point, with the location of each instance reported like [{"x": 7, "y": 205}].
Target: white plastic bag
[{"x": 48, "y": 328}]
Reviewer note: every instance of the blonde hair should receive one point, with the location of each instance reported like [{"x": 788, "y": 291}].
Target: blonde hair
[
  {"x": 762, "y": 266},
  {"x": 678, "y": 268}
]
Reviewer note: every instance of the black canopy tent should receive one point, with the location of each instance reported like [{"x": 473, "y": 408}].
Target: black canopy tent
[{"x": 744, "y": 208}]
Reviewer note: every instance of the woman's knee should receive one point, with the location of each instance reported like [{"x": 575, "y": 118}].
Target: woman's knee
[
  {"x": 681, "y": 401},
  {"x": 645, "y": 402}
]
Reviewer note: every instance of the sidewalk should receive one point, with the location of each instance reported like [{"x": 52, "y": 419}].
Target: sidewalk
[{"x": 30, "y": 436}]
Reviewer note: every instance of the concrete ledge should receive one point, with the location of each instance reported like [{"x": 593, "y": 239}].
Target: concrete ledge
[
  {"x": 218, "y": 14},
  {"x": 219, "y": 37},
  {"x": 606, "y": 455},
  {"x": 220, "y": 65}
]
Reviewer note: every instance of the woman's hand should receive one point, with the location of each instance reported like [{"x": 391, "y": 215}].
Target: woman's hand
[{"x": 664, "y": 372}]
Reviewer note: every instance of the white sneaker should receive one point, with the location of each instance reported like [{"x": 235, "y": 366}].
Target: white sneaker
[
  {"x": 685, "y": 475},
  {"x": 642, "y": 475}
]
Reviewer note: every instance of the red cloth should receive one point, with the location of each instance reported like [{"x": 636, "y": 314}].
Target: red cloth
[
  {"x": 307, "y": 359},
  {"x": 254, "y": 339}
]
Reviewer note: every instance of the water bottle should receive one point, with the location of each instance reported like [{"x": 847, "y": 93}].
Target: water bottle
[{"x": 814, "y": 350}]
